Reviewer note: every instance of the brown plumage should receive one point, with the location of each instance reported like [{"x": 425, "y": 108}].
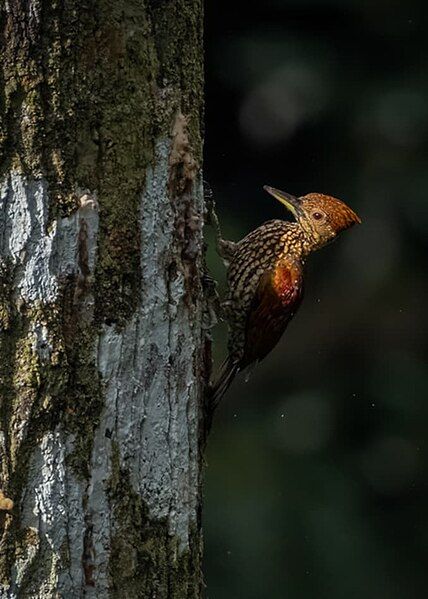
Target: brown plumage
[{"x": 265, "y": 277}]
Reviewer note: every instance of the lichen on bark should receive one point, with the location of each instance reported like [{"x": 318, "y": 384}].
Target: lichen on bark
[{"x": 100, "y": 101}]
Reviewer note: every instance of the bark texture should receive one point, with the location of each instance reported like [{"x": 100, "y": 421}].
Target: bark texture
[{"x": 102, "y": 341}]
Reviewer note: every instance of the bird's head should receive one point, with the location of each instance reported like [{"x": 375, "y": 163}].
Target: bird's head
[{"x": 321, "y": 217}]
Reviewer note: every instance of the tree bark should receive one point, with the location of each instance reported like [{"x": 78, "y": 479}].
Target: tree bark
[{"x": 102, "y": 339}]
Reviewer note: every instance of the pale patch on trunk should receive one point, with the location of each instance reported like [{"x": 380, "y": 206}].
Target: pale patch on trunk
[
  {"x": 152, "y": 374},
  {"x": 52, "y": 509},
  {"x": 40, "y": 250}
]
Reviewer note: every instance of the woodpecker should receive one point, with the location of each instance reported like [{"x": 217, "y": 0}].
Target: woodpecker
[{"x": 266, "y": 274}]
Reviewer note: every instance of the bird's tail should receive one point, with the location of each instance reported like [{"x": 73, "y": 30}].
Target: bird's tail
[{"x": 228, "y": 370}]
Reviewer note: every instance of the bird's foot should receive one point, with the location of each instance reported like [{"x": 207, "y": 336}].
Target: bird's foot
[
  {"x": 225, "y": 248},
  {"x": 213, "y": 309}
]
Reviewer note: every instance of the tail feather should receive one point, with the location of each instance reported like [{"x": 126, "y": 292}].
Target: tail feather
[{"x": 228, "y": 370}]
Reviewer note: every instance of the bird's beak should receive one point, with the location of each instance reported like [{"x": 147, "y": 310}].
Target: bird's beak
[{"x": 290, "y": 202}]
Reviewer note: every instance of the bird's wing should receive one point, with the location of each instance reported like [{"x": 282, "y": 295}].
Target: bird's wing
[{"x": 278, "y": 296}]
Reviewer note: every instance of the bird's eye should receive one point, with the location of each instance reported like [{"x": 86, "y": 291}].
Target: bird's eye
[{"x": 317, "y": 215}]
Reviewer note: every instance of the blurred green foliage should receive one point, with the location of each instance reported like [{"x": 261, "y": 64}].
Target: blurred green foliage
[{"x": 316, "y": 485}]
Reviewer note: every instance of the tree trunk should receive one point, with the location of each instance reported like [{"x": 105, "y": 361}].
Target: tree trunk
[{"x": 102, "y": 343}]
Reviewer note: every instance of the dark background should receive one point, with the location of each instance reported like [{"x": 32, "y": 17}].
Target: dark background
[{"x": 316, "y": 479}]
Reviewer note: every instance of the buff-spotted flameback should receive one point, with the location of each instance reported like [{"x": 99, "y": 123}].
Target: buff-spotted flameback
[{"x": 265, "y": 277}]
